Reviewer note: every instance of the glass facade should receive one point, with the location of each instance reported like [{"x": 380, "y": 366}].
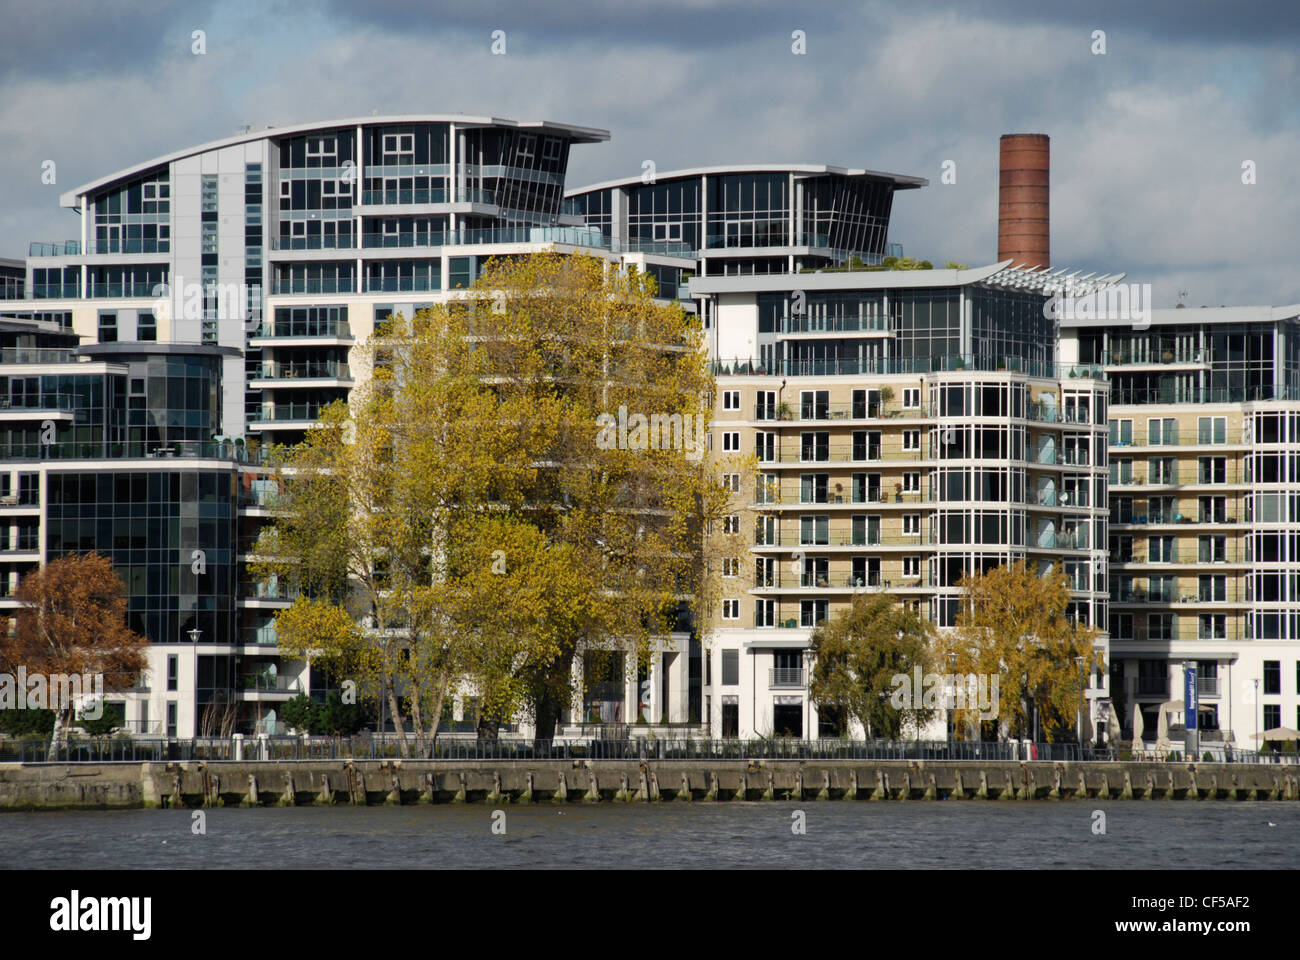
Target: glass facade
[{"x": 150, "y": 523}]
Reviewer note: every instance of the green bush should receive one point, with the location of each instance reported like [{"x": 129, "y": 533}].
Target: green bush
[
  {"x": 27, "y": 723},
  {"x": 1207, "y": 758},
  {"x": 333, "y": 717}
]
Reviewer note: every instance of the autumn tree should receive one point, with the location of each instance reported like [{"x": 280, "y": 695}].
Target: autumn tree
[
  {"x": 1013, "y": 623},
  {"x": 72, "y": 622},
  {"x": 462, "y": 520},
  {"x": 855, "y": 656}
]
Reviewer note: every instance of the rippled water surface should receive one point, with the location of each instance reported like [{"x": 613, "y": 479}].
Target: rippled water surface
[{"x": 1217, "y": 835}]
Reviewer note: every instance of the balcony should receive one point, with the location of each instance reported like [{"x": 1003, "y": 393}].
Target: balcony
[
  {"x": 388, "y": 198},
  {"x": 296, "y": 331},
  {"x": 69, "y": 248},
  {"x": 308, "y": 370},
  {"x": 786, "y": 677},
  {"x": 296, "y": 412},
  {"x": 1207, "y": 687},
  {"x": 1149, "y": 687},
  {"x": 341, "y": 242},
  {"x": 877, "y": 323},
  {"x": 32, "y": 355}
]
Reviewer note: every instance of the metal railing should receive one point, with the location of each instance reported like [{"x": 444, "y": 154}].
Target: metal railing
[
  {"x": 954, "y": 363},
  {"x": 786, "y": 677},
  {"x": 362, "y": 747}
]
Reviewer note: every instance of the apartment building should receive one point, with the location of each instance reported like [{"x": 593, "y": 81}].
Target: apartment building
[
  {"x": 209, "y": 307},
  {"x": 909, "y": 427},
  {"x": 1205, "y": 407}
]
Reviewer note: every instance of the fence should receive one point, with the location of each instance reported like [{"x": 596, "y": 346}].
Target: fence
[{"x": 122, "y": 749}]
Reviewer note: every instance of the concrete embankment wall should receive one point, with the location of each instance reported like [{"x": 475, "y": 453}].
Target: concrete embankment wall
[{"x": 363, "y": 782}]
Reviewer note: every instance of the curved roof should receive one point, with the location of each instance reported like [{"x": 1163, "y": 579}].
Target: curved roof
[
  {"x": 1001, "y": 274},
  {"x": 573, "y": 132},
  {"x": 901, "y": 181}
]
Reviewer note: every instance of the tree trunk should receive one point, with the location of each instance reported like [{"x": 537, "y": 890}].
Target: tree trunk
[
  {"x": 59, "y": 732},
  {"x": 439, "y": 699},
  {"x": 417, "y": 721},
  {"x": 398, "y": 721},
  {"x": 550, "y": 693}
]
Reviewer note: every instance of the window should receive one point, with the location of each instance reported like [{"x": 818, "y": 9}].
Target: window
[
  {"x": 731, "y": 481},
  {"x": 911, "y": 439},
  {"x": 814, "y": 404},
  {"x": 730, "y": 399},
  {"x": 1211, "y": 430},
  {"x": 1161, "y": 626},
  {"x": 1272, "y": 679},
  {"x": 1121, "y": 433},
  {"x": 812, "y": 612},
  {"x": 911, "y": 398},
  {"x": 731, "y": 523},
  {"x": 1272, "y": 715},
  {"x": 108, "y": 328},
  {"x": 1160, "y": 550},
  {"x": 1213, "y": 626},
  {"x": 172, "y": 670},
  {"x": 1212, "y": 550},
  {"x": 730, "y": 609},
  {"x": 814, "y": 530},
  {"x": 815, "y": 447},
  {"x": 813, "y": 488},
  {"x": 731, "y": 440},
  {"x": 1212, "y": 469},
  {"x": 730, "y": 668},
  {"x": 171, "y": 719},
  {"x": 912, "y": 482},
  {"x": 1162, "y": 431},
  {"x": 911, "y": 566},
  {"x": 730, "y": 567},
  {"x": 765, "y": 405},
  {"x": 912, "y": 524},
  {"x": 146, "y": 327}
]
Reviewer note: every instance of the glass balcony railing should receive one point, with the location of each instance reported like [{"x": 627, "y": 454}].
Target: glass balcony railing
[
  {"x": 439, "y": 195},
  {"x": 863, "y": 324},
  {"x": 343, "y": 242},
  {"x": 291, "y": 411},
  {"x": 889, "y": 365},
  {"x": 36, "y": 402},
  {"x": 319, "y": 285},
  {"x": 272, "y": 328},
  {"x": 69, "y": 248},
  {"x": 128, "y": 246},
  {"x": 25, "y": 355},
  {"x": 306, "y": 371},
  {"x": 122, "y": 290}
]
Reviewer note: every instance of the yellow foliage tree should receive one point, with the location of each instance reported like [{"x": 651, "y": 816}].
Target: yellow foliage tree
[{"x": 1013, "y": 625}]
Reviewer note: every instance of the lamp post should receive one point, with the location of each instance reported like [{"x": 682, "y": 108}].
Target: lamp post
[
  {"x": 1258, "y": 709},
  {"x": 952, "y": 695},
  {"x": 195, "y": 634},
  {"x": 1079, "y": 718}
]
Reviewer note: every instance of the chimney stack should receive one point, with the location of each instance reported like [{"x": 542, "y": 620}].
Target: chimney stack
[{"x": 1024, "y": 215}]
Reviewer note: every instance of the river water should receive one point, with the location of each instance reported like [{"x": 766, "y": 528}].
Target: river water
[{"x": 1158, "y": 834}]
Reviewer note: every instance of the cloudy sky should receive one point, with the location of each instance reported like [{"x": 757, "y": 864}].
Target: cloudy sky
[{"x": 1148, "y": 139}]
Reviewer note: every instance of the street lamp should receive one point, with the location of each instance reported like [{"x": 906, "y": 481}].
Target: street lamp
[
  {"x": 1079, "y": 718},
  {"x": 1258, "y": 708},
  {"x": 195, "y": 634}
]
